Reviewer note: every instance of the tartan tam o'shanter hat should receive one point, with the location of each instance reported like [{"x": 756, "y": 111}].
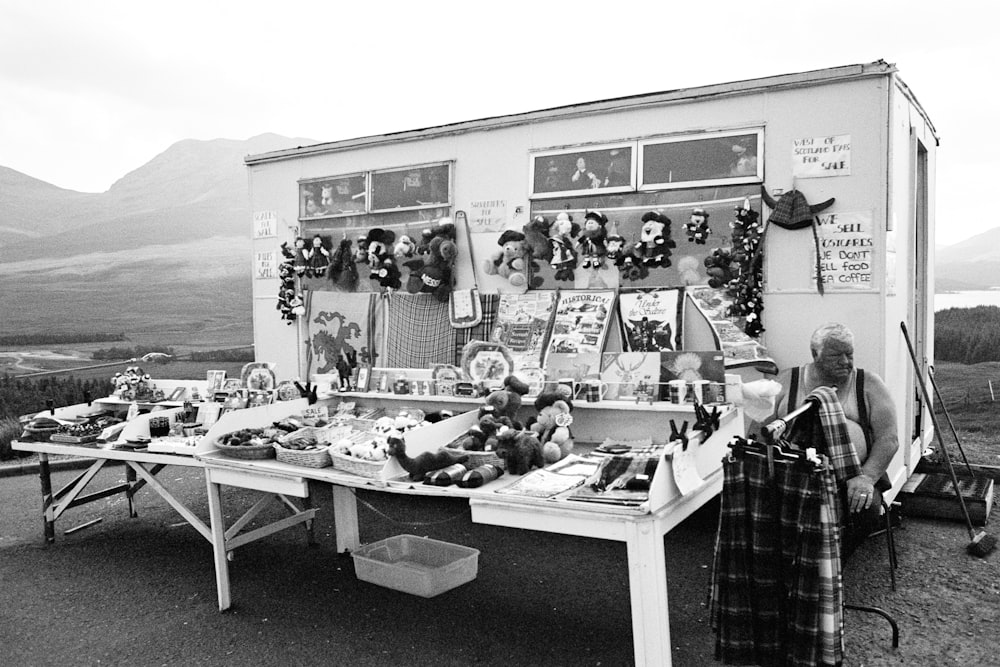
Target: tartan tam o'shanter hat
[{"x": 793, "y": 211}]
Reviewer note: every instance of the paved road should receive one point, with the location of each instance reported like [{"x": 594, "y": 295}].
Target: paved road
[{"x": 142, "y": 591}]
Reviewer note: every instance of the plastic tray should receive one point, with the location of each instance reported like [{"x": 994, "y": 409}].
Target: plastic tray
[{"x": 416, "y": 565}]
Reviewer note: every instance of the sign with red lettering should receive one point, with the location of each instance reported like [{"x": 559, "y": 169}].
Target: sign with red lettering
[
  {"x": 815, "y": 157},
  {"x": 846, "y": 248}
]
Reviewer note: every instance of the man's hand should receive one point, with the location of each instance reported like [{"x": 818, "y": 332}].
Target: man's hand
[{"x": 860, "y": 493}]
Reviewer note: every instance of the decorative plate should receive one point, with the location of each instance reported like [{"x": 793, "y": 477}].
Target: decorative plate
[
  {"x": 487, "y": 362},
  {"x": 257, "y": 376},
  {"x": 286, "y": 391},
  {"x": 446, "y": 373}
]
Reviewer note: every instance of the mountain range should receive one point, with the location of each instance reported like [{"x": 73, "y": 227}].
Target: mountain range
[{"x": 165, "y": 253}]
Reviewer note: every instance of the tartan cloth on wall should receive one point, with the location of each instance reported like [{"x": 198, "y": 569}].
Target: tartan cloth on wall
[
  {"x": 481, "y": 331},
  {"x": 777, "y": 595},
  {"x": 418, "y": 331},
  {"x": 338, "y": 323}
]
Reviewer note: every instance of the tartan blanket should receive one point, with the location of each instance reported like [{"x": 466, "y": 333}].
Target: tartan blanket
[
  {"x": 418, "y": 331},
  {"x": 776, "y": 596},
  {"x": 836, "y": 440},
  {"x": 481, "y": 331}
]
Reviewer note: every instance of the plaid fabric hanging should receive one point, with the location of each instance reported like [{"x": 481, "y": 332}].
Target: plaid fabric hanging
[
  {"x": 418, "y": 331},
  {"x": 481, "y": 331},
  {"x": 776, "y": 590}
]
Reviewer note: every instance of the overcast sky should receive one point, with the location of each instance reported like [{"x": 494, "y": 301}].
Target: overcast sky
[{"x": 90, "y": 90}]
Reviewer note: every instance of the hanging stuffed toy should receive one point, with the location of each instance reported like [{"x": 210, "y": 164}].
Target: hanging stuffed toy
[
  {"x": 378, "y": 245},
  {"x": 288, "y": 299},
  {"x": 593, "y": 239},
  {"x": 301, "y": 256},
  {"x": 511, "y": 261},
  {"x": 697, "y": 226},
  {"x": 655, "y": 241},
  {"x": 631, "y": 266},
  {"x": 319, "y": 258},
  {"x": 562, "y": 234},
  {"x": 342, "y": 271}
]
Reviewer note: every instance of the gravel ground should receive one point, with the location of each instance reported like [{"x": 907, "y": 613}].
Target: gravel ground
[{"x": 142, "y": 591}]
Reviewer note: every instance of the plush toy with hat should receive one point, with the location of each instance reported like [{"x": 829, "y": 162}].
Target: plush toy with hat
[
  {"x": 551, "y": 424},
  {"x": 511, "y": 260},
  {"x": 289, "y": 303},
  {"x": 655, "y": 241},
  {"x": 697, "y": 226},
  {"x": 593, "y": 240},
  {"x": 300, "y": 257},
  {"x": 562, "y": 240}
]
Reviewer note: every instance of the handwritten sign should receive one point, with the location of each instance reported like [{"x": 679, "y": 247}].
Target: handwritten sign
[
  {"x": 845, "y": 251},
  {"x": 265, "y": 224},
  {"x": 814, "y": 157},
  {"x": 488, "y": 215},
  {"x": 265, "y": 264}
]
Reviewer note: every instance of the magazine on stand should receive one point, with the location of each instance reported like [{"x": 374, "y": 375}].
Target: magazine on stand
[
  {"x": 523, "y": 323},
  {"x": 651, "y": 319}
]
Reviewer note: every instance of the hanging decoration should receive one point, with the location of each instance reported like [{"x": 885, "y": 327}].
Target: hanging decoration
[
  {"x": 290, "y": 302},
  {"x": 747, "y": 251}
]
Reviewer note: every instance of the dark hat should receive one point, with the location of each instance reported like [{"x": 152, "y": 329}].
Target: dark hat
[
  {"x": 509, "y": 236},
  {"x": 792, "y": 211},
  {"x": 596, "y": 215}
]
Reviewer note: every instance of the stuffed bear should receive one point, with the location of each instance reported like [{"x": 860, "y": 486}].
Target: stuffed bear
[
  {"x": 404, "y": 249},
  {"x": 631, "y": 265},
  {"x": 444, "y": 229},
  {"x": 433, "y": 274},
  {"x": 536, "y": 238},
  {"x": 498, "y": 412},
  {"x": 562, "y": 237},
  {"x": 593, "y": 239},
  {"x": 697, "y": 226},
  {"x": 506, "y": 401},
  {"x": 552, "y": 424},
  {"x": 510, "y": 261},
  {"x": 520, "y": 451},
  {"x": 654, "y": 240},
  {"x": 721, "y": 267}
]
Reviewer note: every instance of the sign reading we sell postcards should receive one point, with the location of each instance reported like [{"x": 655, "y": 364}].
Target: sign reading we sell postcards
[
  {"x": 813, "y": 157},
  {"x": 845, "y": 251}
]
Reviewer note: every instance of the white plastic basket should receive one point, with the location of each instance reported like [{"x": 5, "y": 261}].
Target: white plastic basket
[{"x": 416, "y": 565}]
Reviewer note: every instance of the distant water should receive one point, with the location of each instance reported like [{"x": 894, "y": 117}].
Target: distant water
[{"x": 969, "y": 299}]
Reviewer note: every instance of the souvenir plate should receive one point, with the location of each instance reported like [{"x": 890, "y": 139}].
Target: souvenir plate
[
  {"x": 257, "y": 376},
  {"x": 486, "y": 362}
]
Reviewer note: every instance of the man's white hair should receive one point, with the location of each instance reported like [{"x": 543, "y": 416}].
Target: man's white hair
[{"x": 830, "y": 331}]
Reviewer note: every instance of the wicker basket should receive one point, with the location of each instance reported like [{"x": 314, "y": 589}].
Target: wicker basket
[
  {"x": 477, "y": 459},
  {"x": 310, "y": 458},
  {"x": 249, "y": 452},
  {"x": 362, "y": 467}
]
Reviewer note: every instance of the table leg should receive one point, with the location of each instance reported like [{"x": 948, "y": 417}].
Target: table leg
[
  {"x": 345, "y": 518},
  {"x": 218, "y": 528},
  {"x": 130, "y": 480},
  {"x": 647, "y": 570},
  {"x": 45, "y": 475}
]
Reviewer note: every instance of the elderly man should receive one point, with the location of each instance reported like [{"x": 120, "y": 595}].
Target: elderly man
[{"x": 868, "y": 409}]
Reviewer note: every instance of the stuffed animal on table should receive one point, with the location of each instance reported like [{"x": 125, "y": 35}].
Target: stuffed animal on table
[
  {"x": 319, "y": 258},
  {"x": 498, "y": 412},
  {"x": 697, "y": 226},
  {"x": 593, "y": 239},
  {"x": 655, "y": 241},
  {"x": 562, "y": 240},
  {"x": 520, "y": 451},
  {"x": 511, "y": 261},
  {"x": 552, "y": 423},
  {"x": 344, "y": 370},
  {"x": 420, "y": 465}
]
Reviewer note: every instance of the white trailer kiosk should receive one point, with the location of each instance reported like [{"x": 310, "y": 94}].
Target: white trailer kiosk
[{"x": 855, "y": 135}]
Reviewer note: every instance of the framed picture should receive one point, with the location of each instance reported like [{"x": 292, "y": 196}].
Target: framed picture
[
  {"x": 333, "y": 196},
  {"x": 232, "y": 386},
  {"x": 422, "y": 186},
  {"x": 215, "y": 380},
  {"x": 583, "y": 170},
  {"x": 704, "y": 159}
]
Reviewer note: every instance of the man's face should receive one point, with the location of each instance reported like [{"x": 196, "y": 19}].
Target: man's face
[{"x": 836, "y": 360}]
